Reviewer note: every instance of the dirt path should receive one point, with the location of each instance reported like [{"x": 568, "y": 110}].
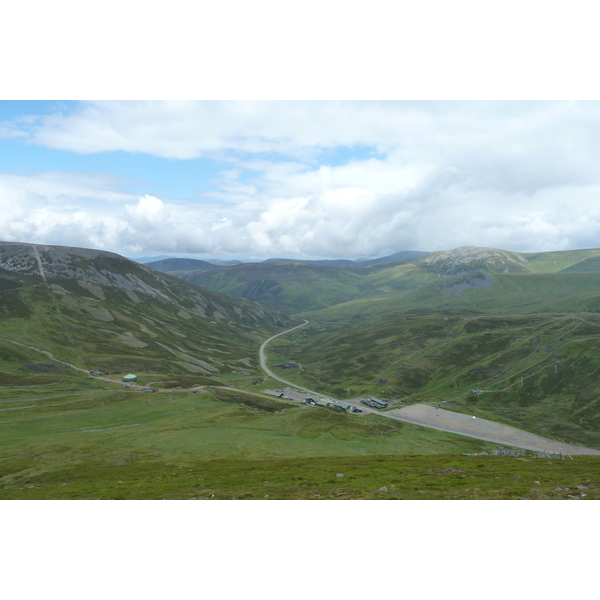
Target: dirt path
[
  {"x": 39, "y": 262},
  {"x": 71, "y": 366}
]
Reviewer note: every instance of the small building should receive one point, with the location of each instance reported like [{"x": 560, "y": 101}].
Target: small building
[
  {"x": 321, "y": 402},
  {"x": 274, "y": 393},
  {"x": 378, "y": 402},
  {"x": 342, "y": 405},
  {"x": 130, "y": 378}
]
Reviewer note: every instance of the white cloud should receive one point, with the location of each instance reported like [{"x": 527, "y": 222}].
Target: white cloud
[
  {"x": 415, "y": 132},
  {"x": 149, "y": 212},
  {"x": 332, "y": 222},
  {"x": 519, "y": 176}
]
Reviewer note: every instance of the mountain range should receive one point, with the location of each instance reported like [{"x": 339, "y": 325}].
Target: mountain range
[
  {"x": 505, "y": 336},
  {"x": 298, "y": 286}
]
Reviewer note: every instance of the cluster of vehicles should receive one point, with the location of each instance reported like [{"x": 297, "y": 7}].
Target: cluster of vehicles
[
  {"x": 374, "y": 402},
  {"x": 306, "y": 398},
  {"x": 345, "y": 406}
]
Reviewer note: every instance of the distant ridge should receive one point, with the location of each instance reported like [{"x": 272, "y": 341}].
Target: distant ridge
[
  {"x": 397, "y": 257},
  {"x": 223, "y": 263},
  {"x": 171, "y": 265},
  {"x": 166, "y": 263},
  {"x": 213, "y": 261},
  {"x": 322, "y": 263},
  {"x": 147, "y": 259},
  {"x": 362, "y": 262}
]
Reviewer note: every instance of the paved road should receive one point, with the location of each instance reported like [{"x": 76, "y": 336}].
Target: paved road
[
  {"x": 263, "y": 363},
  {"x": 445, "y": 420}
]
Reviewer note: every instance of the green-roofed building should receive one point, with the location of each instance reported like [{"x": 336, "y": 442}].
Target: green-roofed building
[
  {"x": 343, "y": 405},
  {"x": 322, "y": 402},
  {"x": 130, "y": 378}
]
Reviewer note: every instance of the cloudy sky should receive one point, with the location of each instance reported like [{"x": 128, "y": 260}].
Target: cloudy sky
[{"x": 332, "y": 179}]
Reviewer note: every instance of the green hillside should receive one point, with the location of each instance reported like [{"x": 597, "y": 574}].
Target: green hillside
[
  {"x": 551, "y": 262},
  {"x": 98, "y": 310},
  {"x": 289, "y": 287},
  {"x": 297, "y": 287},
  {"x": 537, "y": 372},
  {"x": 502, "y": 292},
  {"x": 529, "y": 341}
]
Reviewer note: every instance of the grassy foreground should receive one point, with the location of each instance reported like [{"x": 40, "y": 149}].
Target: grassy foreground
[
  {"x": 71, "y": 438},
  {"x": 364, "y": 477}
]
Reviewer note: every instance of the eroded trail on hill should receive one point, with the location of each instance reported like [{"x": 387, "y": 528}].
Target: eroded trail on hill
[{"x": 452, "y": 422}]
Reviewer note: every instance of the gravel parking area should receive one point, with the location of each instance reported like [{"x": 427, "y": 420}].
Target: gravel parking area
[{"x": 483, "y": 429}]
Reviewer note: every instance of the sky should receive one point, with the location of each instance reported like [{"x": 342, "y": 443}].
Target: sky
[{"x": 315, "y": 179}]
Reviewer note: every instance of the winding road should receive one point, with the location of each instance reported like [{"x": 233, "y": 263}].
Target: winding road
[
  {"x": 452, "y": 422},
  {"x": 263, "y": 362}
]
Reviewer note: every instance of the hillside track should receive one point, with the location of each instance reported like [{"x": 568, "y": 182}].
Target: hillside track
[
  {"x": 452, "y": 422},
  {"x": 51, "y": 356}
]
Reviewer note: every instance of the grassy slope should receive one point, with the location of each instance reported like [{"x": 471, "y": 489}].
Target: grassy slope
[
  {"x": 551, "y": 262},
  {"x": 510, "y": 292},
  {"x": 289, "y": 287},
  {"x": 298, "y": 287},
  {"x": 76, "y": 438},
  {"x": 82, "y": 439},
  {"x": 116, "y": 315}
]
